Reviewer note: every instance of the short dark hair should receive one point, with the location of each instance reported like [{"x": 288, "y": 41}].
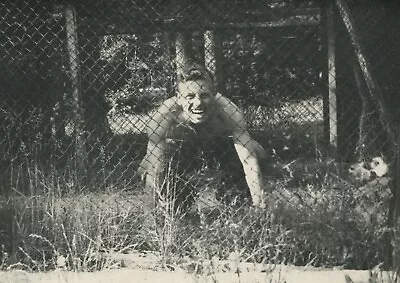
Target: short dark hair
[{"x": 194, "y": 71}]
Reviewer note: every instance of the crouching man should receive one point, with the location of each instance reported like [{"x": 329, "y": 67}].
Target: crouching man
[{"x": 198, "y": 119}]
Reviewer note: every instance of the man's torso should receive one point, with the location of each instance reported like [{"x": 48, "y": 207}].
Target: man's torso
[{"x": 217, "y": 126}]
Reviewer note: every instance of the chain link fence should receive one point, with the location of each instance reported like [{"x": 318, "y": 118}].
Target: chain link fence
[{"x": 306, "y": 101}]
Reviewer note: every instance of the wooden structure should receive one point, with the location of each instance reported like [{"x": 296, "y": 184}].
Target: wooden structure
[{"x": 254, "y": 16}]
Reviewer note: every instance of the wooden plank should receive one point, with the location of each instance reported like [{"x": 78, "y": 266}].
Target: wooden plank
[
  {"x": 361, "y": 150},
  {"x": 74, "y": 69},
  {"x": 213, "y": 57},
  {"x": 283, "y": 22},
  {"x": 209, "y": 51},
  {"x": 182, "y": 50},
  {"x": 178, "y": 26},
  {"x": 333, "y": 116},
  {"x": 168, "y": 45},
  {"x": 267, "y": 12}
]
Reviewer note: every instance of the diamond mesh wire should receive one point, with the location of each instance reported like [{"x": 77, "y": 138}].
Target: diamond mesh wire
[{"x": 85, "y": 86}]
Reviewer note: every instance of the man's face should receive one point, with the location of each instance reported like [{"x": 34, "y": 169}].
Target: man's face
[{"x": 196, "y": 99}]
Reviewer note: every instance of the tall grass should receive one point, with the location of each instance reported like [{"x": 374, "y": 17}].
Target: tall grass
[
  {"x": 60, "y": 220},
  {"x": 313, "y": 222}
]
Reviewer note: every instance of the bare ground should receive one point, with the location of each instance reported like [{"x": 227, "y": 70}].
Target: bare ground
[
  {"x": 140, "y": 269},
  {"x": 285, "y": 274}
]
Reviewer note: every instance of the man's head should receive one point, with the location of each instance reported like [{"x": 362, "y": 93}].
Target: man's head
[{"x": 196, "y": 92}]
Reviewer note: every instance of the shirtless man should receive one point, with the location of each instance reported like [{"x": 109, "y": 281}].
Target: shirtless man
[{"x": 199, "y": 113}]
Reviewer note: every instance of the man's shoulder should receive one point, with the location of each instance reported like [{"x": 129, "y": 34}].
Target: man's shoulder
[
  {"x": 222, "y": 101},
  {"x": 163, "y": 117},
  {"x": 229, "y": 111},
  {"x": 166, "y": 110},
  {"x": 168, "y": 106}
]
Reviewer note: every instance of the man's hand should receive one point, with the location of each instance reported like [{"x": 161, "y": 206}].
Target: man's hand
[
  {"x": 248, "y": 156},
  {"x": 154, "y": 164}
]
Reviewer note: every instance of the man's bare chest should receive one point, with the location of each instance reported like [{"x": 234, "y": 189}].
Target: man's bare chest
[{"x": 214, "y": 127}]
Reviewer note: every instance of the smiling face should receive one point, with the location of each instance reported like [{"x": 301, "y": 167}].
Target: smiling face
[{"x": 197, "y": 99}]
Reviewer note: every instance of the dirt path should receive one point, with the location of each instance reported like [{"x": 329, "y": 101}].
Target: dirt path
[{"x": 282, "y": 274}]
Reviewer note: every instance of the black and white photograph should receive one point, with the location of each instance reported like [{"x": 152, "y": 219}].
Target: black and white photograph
[{"x": 238, "y": 141}]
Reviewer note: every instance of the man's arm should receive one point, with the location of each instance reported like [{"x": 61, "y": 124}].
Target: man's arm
[
  {"x": 247, "y": 153},
  {"x": 247, "y": 149},
  {"x": 152, "y": 165}
]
